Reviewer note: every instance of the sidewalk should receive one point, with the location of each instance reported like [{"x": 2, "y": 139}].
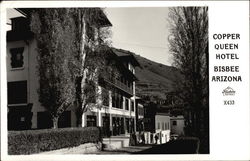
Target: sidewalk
[
  {"x": 116, "y": 142},
  {"x": 112, "y": 145},
  {"x": 88, "y": 148},
  {"x": 125, "y": 150},
  {"x": 92, "y": 149}
]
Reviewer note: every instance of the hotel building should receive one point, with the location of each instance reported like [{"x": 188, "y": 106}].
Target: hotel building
[{"x": 118, "y": 113}]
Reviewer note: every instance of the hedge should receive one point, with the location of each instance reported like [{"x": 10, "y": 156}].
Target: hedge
[{"x": 35, "y": 141}]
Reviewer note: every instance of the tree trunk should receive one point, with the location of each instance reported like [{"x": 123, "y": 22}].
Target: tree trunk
[
  {"x": 80, "y": 81},
  {"x": 55, "y": 122},
  {"x": 79, "y": 118},
  {"x": 83, "y": 70},
  {"x": 84, "y": 103},
  {"x": 78, "y": 111},
  {"x": 83, "y": 40}
]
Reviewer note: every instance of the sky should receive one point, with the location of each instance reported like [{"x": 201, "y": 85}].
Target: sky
[
  {"x": 143, "y": 31},
  {"x": 11, "y": 13}
]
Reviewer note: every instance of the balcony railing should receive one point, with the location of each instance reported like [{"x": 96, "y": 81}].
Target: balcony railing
[{"x": 120, "y": 85}]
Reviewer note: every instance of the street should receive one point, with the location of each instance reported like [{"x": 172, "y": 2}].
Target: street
[{"x": 173, "y": 147}]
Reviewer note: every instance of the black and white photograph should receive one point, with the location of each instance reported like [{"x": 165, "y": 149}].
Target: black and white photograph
[
  {"x": 108, "y": 80},
  {"x": 113, "y": 80}
]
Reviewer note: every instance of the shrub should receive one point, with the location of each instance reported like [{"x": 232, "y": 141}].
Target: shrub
[{"x": 35, "y": 141}]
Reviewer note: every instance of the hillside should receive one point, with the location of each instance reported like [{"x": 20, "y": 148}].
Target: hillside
[{"x": 155, "y": 79}]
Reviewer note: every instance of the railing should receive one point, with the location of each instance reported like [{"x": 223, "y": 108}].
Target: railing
[{"x": 120, "y": 85}]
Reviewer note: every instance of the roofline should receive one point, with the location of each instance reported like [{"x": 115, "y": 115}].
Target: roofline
[
  {"x": 132, "y": 74},
  {"x": 162, "y": 114},
  {"x": 26, "y": 12},
  {"x": 129, "y": 54}
]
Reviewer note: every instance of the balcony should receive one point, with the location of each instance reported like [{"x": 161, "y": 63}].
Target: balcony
[{"x": 120, "y": 85}]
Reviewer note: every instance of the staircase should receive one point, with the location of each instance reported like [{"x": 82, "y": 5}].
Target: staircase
[{"x": 116, "y": 142}]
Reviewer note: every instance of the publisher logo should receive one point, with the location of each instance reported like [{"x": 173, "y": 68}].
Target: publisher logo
[{"x": 228, "y": 92}]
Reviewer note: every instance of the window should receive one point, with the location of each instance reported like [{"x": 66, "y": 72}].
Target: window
[
  {"x": 106, "y": 122},
  {"x": 140, "y": 111},
  {"x": 65, "y": 119},
  {"x": 158, "y": 127},
  {"x": 117, "y": 100},
  {"x": 162, "y": 125},
  {"x": 174, "y": 123},
  {"x": 126, "y": 105},
  {"x": 105, "y": 97},
  {"x": 121, "y": 102},
  {"x": 17, "y": 92},
  {"x": 91, "y": 120},
  {"x": 19, "y": 117},
  {"x": 125, "y": 81},
  {"x": 132, "y": 106},
  {"x": 127, "y": 125},
  {"x": 113, "y": 98},
  {"x": 132, "y": 125},
  {"x": 17, "y": 57},
  {"x": 166, "y": 126},
  {"x": 44, "y": 120}
]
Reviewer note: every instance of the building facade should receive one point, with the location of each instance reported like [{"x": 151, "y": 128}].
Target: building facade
[
  {"x": 162, "y": 124},
  {"x": 26, "y": 112},
  {"x": 157, "y": 122},
  {"x": 23, "y": 104},
  {"x": 118, "y": 112},
  {"x": 177, "y": 124}
]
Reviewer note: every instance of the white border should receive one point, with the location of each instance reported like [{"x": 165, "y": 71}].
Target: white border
[{"x": 215, "y": 117}]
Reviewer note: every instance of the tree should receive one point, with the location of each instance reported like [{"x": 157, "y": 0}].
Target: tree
[
  {"x": 188, "y": 44},
  {"x": 88, "y": 90},
  {"x": 55, "y": 35},
  {"x": 92, "y": 51},
  {"x": 71, "y": 47}
]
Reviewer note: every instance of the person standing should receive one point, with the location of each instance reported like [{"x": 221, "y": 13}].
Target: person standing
[{"x": 156, "y": 138}]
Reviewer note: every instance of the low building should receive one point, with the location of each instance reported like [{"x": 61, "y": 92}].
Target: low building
[
  {"x": 157, "y": 123},
  {"x": 162, "y": 123},
  {"x": 139, "y": 114},
  {"x": 177, "y": 124}
]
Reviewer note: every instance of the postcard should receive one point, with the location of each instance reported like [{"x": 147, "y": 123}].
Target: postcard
[{"x": 125, "y": 80}]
